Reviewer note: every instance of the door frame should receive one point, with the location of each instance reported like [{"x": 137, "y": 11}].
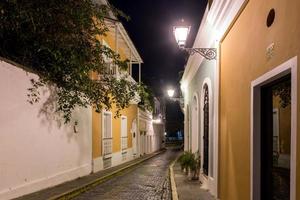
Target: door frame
[
  {"x": 134, "y": 133},
  {"x": 211, "y": 181},
  {"x": 195, "y": 133},
  {"x": 288, "y": 67}
]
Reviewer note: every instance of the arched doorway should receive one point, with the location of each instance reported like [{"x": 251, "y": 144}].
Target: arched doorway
[
  {"x": 134, "y": 137},
  {"x": 205, "y": 129},
  {"x": 187, "y": 133},
  {"x": 194, "y": 125}
]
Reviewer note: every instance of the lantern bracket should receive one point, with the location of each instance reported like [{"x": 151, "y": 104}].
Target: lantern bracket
[{"x": 208, "y": 53}]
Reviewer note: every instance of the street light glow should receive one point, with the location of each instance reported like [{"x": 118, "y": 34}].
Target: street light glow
[
  {"x": 171, "y": 92},
  {"x": 156, "y": 121},
  {"x": 181, "y": 33}
]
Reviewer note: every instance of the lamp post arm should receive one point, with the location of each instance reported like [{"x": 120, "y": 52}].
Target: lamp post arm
[{"x": 208, "y": 53}]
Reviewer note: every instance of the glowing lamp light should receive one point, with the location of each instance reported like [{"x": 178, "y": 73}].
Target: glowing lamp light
[
  {"x": 181, "y": 33},
  {"x": 170, "y": 92},
  {"x": 156, "y": 121}
]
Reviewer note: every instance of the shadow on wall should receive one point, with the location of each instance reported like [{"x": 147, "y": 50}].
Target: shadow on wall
[
  {"x": 48, "y": 113},
  {"x": 77, "y": 130}
]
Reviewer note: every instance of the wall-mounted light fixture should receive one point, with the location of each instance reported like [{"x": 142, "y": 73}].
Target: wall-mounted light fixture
[
  {"x": 75, "y": 128},
  {"x": 181, "y": 33},
  {"x": 156, "y": 121},
  {"x": 170, "y": 92}
]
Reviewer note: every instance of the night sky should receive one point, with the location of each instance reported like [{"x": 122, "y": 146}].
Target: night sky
[{"x": 151, "y": 29}]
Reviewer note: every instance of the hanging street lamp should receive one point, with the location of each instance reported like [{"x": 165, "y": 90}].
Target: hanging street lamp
[{"x": 181, "y": 33}]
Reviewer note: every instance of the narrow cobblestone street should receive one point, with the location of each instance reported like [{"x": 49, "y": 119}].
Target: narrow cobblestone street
[{"x": 148, "y": 181}]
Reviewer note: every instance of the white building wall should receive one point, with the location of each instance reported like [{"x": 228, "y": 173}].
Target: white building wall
[
  {"x": 37, "y": 150},
  {"x": 151, "y": 142},
  {"x": 158, "y": 136},
  {"x": 215, "y": 22}
]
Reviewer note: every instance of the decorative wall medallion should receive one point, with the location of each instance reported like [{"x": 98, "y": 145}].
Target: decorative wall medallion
[{"x": 270, "y": 51}]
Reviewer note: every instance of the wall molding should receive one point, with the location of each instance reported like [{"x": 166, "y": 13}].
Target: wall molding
[
  {"x": 209, "y": 182},
  {"x": 289, "y": 67}
]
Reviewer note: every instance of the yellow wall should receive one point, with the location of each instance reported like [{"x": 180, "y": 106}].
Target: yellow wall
[
  {"x": 97, "y": 136},
  {"x": 243, "y": 59},
  {"x": 130, "y": 113},
  {"x": 110, "y": 39}
]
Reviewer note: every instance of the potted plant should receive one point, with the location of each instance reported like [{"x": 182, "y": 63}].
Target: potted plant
[
  {"x": 195, "y": 166},
  {"x": 190, "y": 162},
  {"x": 183, "y": 161}
]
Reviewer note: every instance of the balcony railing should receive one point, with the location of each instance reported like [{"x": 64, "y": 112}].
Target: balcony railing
[
  {"x": 124, "y": 143},
  {"x": 107, "y": 146},
  {"x": 111, "y": 69}
]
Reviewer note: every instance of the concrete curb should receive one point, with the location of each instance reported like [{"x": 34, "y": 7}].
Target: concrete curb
[
  {"x": 81, "y": 189},
  {"x": 172, "y": 180}
]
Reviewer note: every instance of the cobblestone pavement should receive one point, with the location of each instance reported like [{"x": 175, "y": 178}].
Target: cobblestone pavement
[{"x": 148, "y": 181}]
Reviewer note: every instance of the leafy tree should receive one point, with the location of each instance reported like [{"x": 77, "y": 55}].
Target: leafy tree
[
  {"x": 147, "y": 98},
  {"x": 59, "y": 41}
]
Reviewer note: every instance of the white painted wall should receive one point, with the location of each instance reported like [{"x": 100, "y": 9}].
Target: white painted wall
[
  {"x": 159, "y": 131},
  {"x": 213, "y": 26},
  {"x": 151, "y": 142},
  {"x": 37, "y": 151}
]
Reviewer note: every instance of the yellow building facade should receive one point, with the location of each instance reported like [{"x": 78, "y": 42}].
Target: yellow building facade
[
  {"x": 261, "y": 47},
  {"x": 112, "y": 136}
]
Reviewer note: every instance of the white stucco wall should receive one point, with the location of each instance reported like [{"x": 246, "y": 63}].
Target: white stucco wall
[
  {"x": 36, "y": 151},
  {"x": 151, "y": 142},
  {"x": 158, "y": 137}
]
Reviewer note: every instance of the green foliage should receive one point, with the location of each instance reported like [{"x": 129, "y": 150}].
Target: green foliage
[
  {"x": 190, "y": 161},
  {"x": 147, "y": 98},
  {"x": 185, "y": 160},
  {"x": 58, "y": 40}
]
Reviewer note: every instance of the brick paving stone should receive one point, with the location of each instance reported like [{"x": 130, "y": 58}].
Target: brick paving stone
[
  {"x": 64, "y": 187},
  {"x": 148, "y": 181}
]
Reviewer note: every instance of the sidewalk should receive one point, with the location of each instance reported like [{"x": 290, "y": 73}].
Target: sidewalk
[
  {"x": 186, "y": 189},
  {"x": 73, "y": 188}
]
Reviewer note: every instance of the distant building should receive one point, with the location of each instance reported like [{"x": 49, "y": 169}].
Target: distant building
[
  {"x": 159, "y": 121},
  {"x": 114, "y": 139}
]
